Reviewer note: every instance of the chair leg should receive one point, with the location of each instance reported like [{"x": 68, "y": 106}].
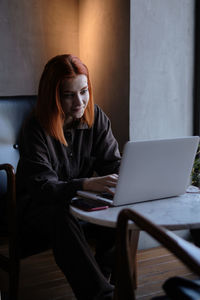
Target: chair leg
[{"x": 134, "y": 238}]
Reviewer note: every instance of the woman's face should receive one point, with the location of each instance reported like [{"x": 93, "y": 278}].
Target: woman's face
[{"x": 74, "y": 95}]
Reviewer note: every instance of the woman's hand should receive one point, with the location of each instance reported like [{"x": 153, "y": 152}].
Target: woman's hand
[{"x": 101, "y": 184}]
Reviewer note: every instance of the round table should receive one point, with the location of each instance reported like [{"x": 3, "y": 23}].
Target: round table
[{"x": 175, "y": 213}]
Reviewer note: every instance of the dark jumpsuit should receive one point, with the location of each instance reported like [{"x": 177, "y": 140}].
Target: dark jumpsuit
[{"x": 48, "y": 176}]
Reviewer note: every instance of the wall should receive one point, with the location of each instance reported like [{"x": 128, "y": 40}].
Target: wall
[
  {"x": 31, "y": 32},
  {"x": 161, "y": 68},
  {"x": 161, "y": 73},
  {"x": 104, "y": 28}
]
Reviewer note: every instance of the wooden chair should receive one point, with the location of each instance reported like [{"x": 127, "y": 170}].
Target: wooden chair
[
  {"x": 188, "y": 253},
  {"x": 10, "y": 263},
  {"x": 13, "y": 111}
]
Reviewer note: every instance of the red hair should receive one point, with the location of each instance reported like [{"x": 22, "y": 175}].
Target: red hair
[{"x": 49, "y": 111}]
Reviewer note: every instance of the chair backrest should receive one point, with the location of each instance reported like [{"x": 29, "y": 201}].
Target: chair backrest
[{"x": 13, "y": 111}]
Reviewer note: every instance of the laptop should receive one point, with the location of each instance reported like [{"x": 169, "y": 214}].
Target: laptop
[{"x": 150, "y": 170}]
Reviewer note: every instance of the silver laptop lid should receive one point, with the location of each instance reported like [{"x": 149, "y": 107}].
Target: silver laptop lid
[{"x": 155, "y": 169}]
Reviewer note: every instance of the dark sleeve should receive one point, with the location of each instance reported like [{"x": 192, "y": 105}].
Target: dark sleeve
[
  {"x": 105, "y": 145},
  {"x": 35, "y": 173}
]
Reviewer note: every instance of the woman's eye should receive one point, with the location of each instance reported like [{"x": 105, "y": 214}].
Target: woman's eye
[
  {"x": 68, "y": 95},
  {"x": 84, "y": 91}
]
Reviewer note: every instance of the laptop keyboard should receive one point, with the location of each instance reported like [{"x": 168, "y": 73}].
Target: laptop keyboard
[{"x": 106, "y": 195}]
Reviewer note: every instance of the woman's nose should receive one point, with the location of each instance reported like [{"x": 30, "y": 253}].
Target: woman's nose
[{"x": 78, "y": 99}]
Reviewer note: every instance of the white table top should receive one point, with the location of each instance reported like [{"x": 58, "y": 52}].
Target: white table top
[{"x": 182, "y": 212}]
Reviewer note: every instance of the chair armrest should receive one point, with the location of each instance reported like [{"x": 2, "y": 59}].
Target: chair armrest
[
  {"x": 11, "y": 191},
  {"x": 185, "y": 251},
  {"x": 11, "y": 263},
  {"x": 11, "y": 211}
]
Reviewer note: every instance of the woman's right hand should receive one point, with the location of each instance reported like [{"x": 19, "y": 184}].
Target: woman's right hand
[{"x": 101, "y": 184}]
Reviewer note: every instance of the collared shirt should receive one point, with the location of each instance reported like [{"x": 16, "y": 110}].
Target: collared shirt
[{"x": 49, "y": 171}]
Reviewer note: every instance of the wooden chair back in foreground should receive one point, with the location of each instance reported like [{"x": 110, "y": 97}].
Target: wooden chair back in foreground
[{"x": 186, "y": 252}]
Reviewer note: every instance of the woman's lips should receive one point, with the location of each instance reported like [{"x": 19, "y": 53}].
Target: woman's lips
[{"x": 77, "y": 109}]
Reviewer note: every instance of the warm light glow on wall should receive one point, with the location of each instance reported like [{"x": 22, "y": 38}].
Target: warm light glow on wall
[
  {"x": 104, "y": 47},
  {"x": 61, "y": 27},
  {"x": 91, "y": 34}
]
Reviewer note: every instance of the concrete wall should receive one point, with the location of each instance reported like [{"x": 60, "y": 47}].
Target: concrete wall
[
  {"x": 31, "y": 32},
  {"x": 161, "y": 68},
  {"x": 161, "y": 73},
  {"x": 104, "y": 37}
]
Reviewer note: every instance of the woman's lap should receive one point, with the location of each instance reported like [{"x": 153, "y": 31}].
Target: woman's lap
[{"x": 73, "y": 255}]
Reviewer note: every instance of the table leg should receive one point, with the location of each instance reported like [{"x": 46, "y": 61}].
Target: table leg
[{"x": 133, "y": 239}]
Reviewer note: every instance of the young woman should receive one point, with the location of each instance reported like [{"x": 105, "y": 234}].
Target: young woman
[{"x": 65, "y": 140}]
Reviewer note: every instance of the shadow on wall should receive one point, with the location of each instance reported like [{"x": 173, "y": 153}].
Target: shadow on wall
[{"x": 31, "y": 33}]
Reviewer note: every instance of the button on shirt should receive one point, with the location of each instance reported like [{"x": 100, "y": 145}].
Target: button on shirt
[{"x": 68, "y": 137}]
